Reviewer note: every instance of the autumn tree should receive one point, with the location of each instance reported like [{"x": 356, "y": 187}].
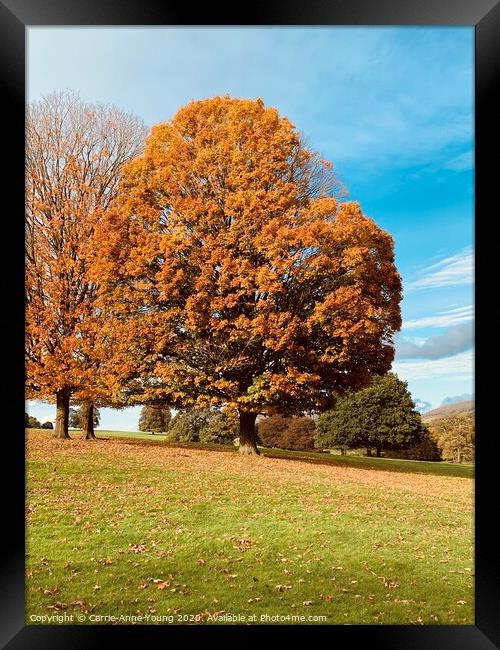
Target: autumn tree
[
  {"x": 245, "y": 280},
  {"x": 154, "y": 418},
  {"x": 188, "y": 424},
  {"x": 381, "y": 416},
  {"x": 455, "y": 436},
  {"x": 74, "y": 155},
  {"x": 287, "y": 433}
]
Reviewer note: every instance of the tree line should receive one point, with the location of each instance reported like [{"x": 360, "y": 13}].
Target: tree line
[
  {"x": 380, "y": 419},
  {"x": 395, "y": 428},
  {"x": 77, "y": 419},
  {"x": 212, "y": 263}
]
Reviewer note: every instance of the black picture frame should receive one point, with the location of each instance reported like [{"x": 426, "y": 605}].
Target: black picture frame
[{"x": 15, "y": 17}]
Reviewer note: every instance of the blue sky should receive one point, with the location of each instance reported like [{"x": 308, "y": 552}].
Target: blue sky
[{"x": 391, "y": 107}]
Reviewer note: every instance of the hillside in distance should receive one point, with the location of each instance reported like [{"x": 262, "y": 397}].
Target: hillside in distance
[{"x": 449, "y": 410}]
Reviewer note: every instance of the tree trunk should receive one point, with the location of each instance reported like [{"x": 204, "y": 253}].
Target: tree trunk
[
  {"x": 378, "y": 452},
  {"x": 248, "y": 435},
  {"x": 88, "y": 421},
  {"x": 62, "y": 414},
  {"x": 369, "y": 451}
]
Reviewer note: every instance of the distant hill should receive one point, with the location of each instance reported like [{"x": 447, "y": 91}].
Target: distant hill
[{"x": 449, "y": 410}]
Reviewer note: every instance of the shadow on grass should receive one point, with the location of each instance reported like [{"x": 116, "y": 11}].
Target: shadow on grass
[{"x": 361, "y": 462}]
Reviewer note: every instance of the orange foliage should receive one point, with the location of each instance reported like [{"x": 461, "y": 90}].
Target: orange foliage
[
  {"x": 239, "y": 276},
  {"x": 74, "y": 154}
]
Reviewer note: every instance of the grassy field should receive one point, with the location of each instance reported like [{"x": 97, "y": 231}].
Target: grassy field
[
  {"x": 386, "y": 464},
  {"x": 125, "y": 527}
]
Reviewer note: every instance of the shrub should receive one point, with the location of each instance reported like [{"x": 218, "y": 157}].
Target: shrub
[
  {"x": 47, "y": 425},
  {"x": 30, "y": 422}
]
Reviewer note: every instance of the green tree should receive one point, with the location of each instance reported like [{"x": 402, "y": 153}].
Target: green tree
[
  {"x": 47, "y": 425},
  {"x": 426, "y": 449},
  {"x": 380, "y": 416},
  {"x": 287, "y": 433},
  {"x": 187, "y": 425},
  {"x": 221, "y": 429},
  {"x": 155, "y": 419}
]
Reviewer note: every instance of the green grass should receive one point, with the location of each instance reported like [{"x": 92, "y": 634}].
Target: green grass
[
  {"x": 149, "y": 529},
  {"x": 386, "y": 464},
  {"x": 126, "y": 435}
]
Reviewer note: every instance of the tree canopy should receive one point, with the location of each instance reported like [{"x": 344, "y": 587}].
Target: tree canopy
[
  {"x": 221, "y": 429},
  {"x": 380, "y": 416},
  {"x": 188, "y": 424},
  {"x": 155, "y": 419},
  {"x": 236, "y": 275},
  {"x": 204, "y": 425}
]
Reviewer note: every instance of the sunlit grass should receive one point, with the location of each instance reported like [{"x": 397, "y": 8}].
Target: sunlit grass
[{"x": 149, "y": 529}]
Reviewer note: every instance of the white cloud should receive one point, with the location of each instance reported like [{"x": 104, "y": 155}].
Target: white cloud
[
  {"x": 460, "y": 366},
  {"x": 417, "y": 340},
  {"x": 454, "y": 340},
  {"x": 446, "y": 318},
  {"x": 451, "y": 271}
]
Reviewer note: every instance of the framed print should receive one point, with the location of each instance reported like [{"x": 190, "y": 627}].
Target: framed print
[{"x": 252, "y": 246}]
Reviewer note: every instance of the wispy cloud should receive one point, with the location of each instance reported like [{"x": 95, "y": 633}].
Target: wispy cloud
[
  {"x": 458, "y": 367},
  {"x": 363, "y": 111},
  {"x": 452, "y": 341},
  {"x": 451, "y": 271},
  {"x": 446, "y": 318},
  {"x": 462, "y": 161}
]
